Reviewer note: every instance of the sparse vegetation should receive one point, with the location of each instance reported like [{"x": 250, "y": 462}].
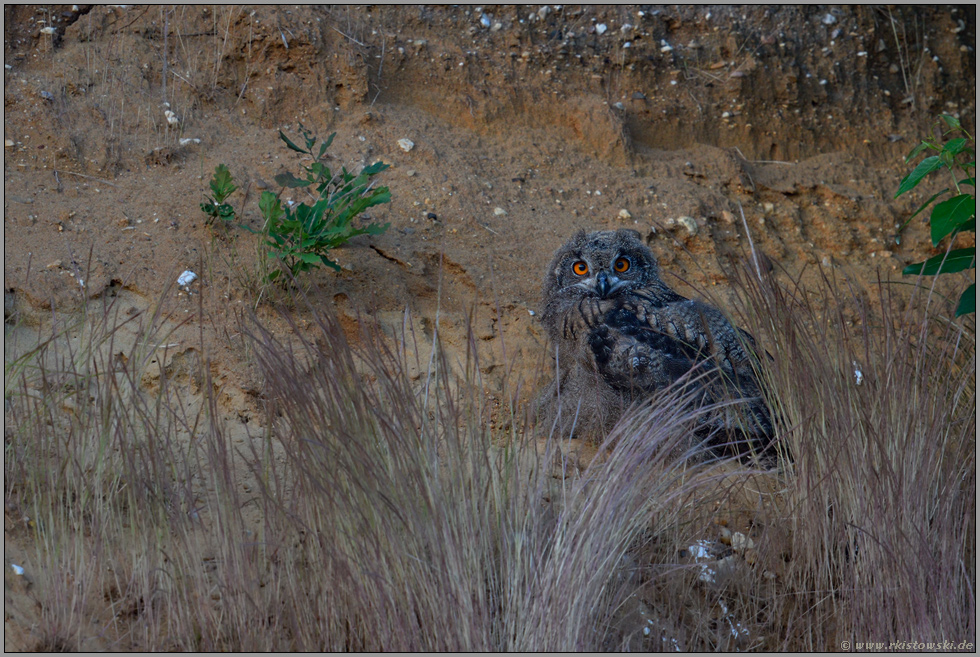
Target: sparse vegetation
[
  {"x": 222, "y": 187},
  {"x": 300, "y": 237},
  {"x": 953, "y": 215}
]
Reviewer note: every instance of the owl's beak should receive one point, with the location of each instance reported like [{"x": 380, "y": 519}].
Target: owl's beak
[{"x": 603, "y": 285}]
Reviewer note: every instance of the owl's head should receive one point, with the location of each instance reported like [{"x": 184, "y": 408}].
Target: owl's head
[{"x": 601, "y": 264}]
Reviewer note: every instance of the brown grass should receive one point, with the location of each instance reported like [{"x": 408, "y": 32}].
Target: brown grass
[{"x": 383, "y": 512}]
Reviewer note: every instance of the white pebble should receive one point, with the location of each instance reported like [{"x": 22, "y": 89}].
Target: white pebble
[
  {"x": 485, "y": 20},
  {"x": 171, "y": 117},
  {"x": 17, "y": 569},
  {"x": 500, "y": 212},
  {"x": 600, "y": 29},
  {"x": 689, "y": 223},
  {"x": 858, "y": 374},
  {"x": 48, "y": 30},
  {"x": 406, "y": 144},
  {"x": 829, "y": 19},
  {"x": 189, "y": 140},
  {"x": 186, "y": 278},
  {"x": 625, "y": 214}
]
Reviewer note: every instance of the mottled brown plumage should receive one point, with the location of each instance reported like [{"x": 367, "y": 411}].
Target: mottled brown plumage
[{"x": 620, "y": 334}]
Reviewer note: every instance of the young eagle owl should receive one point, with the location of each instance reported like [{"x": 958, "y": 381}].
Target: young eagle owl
[{"x": 620, "y": 334}]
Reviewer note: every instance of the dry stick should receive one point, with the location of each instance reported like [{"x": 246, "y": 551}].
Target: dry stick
[
  {"x": 901, "y": 60},
  {"x": 166, "y": 30},
  {"x": 347, "y": 36},
  {"x": 82, "y": 175},
  {"x": 755, "y": 259}
]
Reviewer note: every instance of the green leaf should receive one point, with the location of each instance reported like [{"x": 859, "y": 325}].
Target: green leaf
[
  {"x": 289, "y": 143},
  {"x": 374, "y": 169},
  {"x": 955, "y": 146},
  {"x": 968, "y": 301},
  {"x": 330, "y": 139},
  {"x": 970, "y": 225},
  {"x": 323, "y": 149},
  {"x": 289, "y": 180},
  {"x": 925, "y": 167},
  {"x": 954, "y": 261},
  {"x": 918, "y": 149},
  {"x": 270, "y": 207},
  {"x": 971, "y": 181},
  {"x": 951, "y": 121},
  {"x": 376, "y": 229},
  {"x": 950, "y": 214},
  {"x": 221, "y": 183}
]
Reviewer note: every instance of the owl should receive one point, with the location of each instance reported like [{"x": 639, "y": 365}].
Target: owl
[{"x": 620, "y": 334}]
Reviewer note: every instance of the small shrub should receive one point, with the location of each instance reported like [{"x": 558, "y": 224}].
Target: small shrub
[
  {"x": 300, "y": 237},
  {"x": 952, "y": 215},
  {"x": 222, "y": 187}
]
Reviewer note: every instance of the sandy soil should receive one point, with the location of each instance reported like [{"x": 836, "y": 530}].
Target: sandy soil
[{"x": 673, "y": 121}]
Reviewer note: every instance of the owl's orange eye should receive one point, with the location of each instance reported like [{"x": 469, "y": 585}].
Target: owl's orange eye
[
  {"x": 622, "y": 265},
  {"x": 581, "y": 268}
]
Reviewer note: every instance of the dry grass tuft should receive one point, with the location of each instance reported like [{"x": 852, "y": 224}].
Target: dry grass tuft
[{"x": 382, "y": 511}]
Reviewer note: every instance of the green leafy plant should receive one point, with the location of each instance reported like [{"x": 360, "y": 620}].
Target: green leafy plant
[
  {"x": 301, "y": 236},
  {"x": 222, "y": 187},
  {"x": 951, "y": 216}
]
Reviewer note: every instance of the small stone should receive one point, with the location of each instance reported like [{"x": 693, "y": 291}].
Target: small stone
[
  {"x": 625, "y": 214},
  {"x": 601, "y": 28},
  {"x": 689, "y": 223},
  {"x": 189, "y": 140},
  {"x": 410, "y": 173},
  {"x": 8, "y": 143},
  {"x": 497, "y": 27},
  {"x": 544, "y": 11},
  {"x": 829, "y": 19},
  {"x": 727, "y": 217},
  {"x": 186, "y": 278},
  {"x": 619, "y": 106},
  {"x": 406, "y": 144},
  {"x": 500, "y": 212},
  {"x": 172, "y": 119},
  {"x": 741, "y": 542},
  {"x": 54, "y": 265},
  {"x": 768, "y": 208},
  {"x": 48, "y": 30},
  {"x": 485, "y": 20}
]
